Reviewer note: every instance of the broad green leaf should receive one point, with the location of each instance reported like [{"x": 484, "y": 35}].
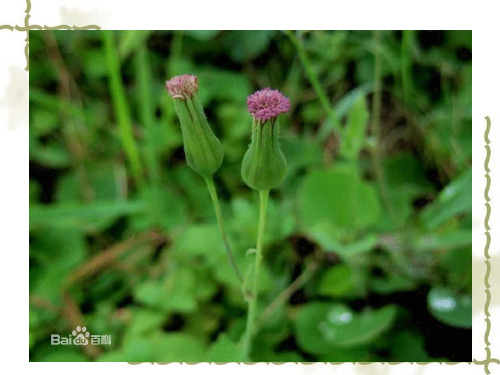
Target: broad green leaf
[
  {"x": 450, "y": 308},
  {"x": 321, "y": 327},
  {"x": 337, "y": 196}
]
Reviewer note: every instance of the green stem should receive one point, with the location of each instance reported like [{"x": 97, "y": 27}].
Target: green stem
[
  {"x": 121, "y": 106},
  {"x": 252, "y": 304},
  {"x": 313, "y": 77},
  {"x": 220, "y": 223}
]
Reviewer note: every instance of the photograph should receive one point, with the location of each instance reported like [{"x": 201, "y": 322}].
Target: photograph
[{"x": 250, "y": 196}]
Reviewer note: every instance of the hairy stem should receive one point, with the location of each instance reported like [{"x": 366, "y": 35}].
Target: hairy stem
[
  {"x": 220, "y": 223},
  {"x": 252, "y": 304}
]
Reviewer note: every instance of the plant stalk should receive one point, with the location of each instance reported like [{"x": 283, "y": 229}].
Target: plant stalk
[
  {"x": 220, "y": 223},
  {"x": 252, "y": 304}
]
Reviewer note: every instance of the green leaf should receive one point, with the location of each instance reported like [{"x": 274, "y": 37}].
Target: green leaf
[
  {"x": 449, "y": 307},
  {"x": 322, "y": 327},
  {"x": 455, "y": 198},
  {"x": 338, "y": 196},
  {"x": 354, "y": 133}
]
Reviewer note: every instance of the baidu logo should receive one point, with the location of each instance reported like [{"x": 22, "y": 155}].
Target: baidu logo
[{"x": 80, "y": 336}]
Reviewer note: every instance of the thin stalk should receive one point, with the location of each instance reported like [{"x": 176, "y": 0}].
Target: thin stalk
[
  {"x": 252, "y": 304},
  {"x": 313, "y": 77},
  {"x": 375, "y": 115},
  {"x": 121, "y": 106},
  {"x": 220, "y": 223}
]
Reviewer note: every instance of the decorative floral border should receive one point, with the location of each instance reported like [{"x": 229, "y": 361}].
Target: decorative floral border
[
  {"x": 27, "y": 27},
  {"x": 485, "y": 362}
]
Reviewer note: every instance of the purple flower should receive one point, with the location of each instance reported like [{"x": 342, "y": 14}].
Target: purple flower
[
  {"x": 182, "y": 86},
  {"x": 266, "y": 104}
]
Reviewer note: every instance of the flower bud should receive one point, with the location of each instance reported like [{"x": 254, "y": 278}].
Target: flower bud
[
  {"x": 264, "y": 165},
  {"x": 203, "y": 150}
]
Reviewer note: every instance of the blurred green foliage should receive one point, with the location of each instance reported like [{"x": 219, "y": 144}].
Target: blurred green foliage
[{"x": 123, "y": 238}]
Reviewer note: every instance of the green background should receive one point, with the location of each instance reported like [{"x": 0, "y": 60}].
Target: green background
[{"x": 123, "y": 238}]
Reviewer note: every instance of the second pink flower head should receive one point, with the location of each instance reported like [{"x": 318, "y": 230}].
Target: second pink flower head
[{"x": 266, "y": 104}]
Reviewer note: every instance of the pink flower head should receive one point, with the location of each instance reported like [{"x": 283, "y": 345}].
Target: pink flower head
[
  {"x": 266, "y": 104},
  {"x": 182, "y": 86}
]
